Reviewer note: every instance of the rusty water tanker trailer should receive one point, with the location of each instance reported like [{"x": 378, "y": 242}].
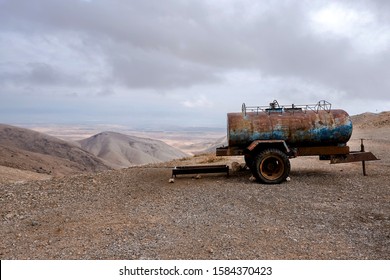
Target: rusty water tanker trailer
[{"x": 268, "y": 136}]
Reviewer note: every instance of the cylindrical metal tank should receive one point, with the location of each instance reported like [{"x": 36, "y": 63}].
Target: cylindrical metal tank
[{"x": 299, "y": 128}]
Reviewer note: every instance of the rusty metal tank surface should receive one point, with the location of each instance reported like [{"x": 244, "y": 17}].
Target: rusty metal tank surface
[{"x": 298, "y": 128}]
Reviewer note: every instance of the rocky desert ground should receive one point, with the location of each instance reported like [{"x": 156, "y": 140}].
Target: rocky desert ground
[{"x": 324, "y": 212}]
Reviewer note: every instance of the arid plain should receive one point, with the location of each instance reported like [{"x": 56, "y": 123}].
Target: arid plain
[{"x": 324, "y": 212}]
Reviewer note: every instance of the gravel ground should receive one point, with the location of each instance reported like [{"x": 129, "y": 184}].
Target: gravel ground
[{"x": 324, "y": 212}]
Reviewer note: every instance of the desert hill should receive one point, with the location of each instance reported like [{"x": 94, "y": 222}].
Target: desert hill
[
  {"x": 371, "y": 120},
  {"x": 119, "y": 150},
  {"x": 29, "y": 150}
]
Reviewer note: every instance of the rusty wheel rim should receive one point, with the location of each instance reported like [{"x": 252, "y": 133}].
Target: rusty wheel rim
[{"x": 271, "y": 168}]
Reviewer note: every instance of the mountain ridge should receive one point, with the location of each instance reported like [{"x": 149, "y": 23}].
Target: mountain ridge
[
  {"x": 120, "y": 150},
  {"x": 371, "y": 120},
  {"x": 30, "y": 150}
]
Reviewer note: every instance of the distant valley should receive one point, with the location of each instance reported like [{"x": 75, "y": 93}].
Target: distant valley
[
  {"x": 190, "y": 140},
  {"x": 29, "y": 151}
]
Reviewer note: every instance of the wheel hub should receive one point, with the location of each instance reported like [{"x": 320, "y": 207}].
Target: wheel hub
[{"x": 271, "y": 168}]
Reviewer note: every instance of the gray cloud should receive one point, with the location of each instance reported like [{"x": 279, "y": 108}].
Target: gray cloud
[
  {"x": 111, "y": 47},
  {"x": 154, "y": 70},
  {"x": 40, "y": 74}
]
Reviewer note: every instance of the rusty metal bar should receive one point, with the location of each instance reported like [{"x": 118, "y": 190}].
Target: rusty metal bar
[
  {"x": 229, "y": 151},
  {"x": 197, "y": 169},
  {"x": 254, "y": 144},
  {"x": 354, "y": 156},
  {"x": 275, "y": 107},
  {"x": 363, "y": 162},
  {"x": 222, "y": 151},
  {"x": 323, "y": 151}
]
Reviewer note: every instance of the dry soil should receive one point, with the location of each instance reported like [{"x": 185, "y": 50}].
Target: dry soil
[{"x": 324, "y": 212}]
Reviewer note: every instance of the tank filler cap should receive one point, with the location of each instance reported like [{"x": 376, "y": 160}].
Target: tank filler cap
[{"x": 274, "y": 105}]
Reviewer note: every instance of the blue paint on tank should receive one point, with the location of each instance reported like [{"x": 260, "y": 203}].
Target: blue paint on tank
[{"x": 298, "y": 129}]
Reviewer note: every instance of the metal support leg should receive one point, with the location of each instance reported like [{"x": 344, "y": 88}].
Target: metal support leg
[{"x": 363, "y": 162}]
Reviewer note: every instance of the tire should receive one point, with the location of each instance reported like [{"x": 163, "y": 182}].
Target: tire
[{"x": 271, "y": 166}]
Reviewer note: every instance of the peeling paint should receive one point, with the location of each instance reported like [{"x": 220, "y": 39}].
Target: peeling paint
[{"x": 305, "y": 128}]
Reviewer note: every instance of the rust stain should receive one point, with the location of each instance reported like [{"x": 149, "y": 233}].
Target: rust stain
[{"x": 297, "y": 128}]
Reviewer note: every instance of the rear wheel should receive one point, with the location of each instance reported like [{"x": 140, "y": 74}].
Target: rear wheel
[{"x": 271, "y": 166}]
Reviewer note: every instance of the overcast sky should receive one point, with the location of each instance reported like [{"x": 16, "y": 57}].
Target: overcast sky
[{"x": 188, "y": 62}]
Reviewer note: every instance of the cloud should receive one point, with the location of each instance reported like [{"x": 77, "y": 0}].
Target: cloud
[
  {"x": 288, "y": 49},
  {"x": 38, "y": 74},
  {"x": 105, "y": 92},
  {"x": 149, "y": 69},
  {"x": 200, "y": 101},
  {"x": 366, "y": 32}
]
